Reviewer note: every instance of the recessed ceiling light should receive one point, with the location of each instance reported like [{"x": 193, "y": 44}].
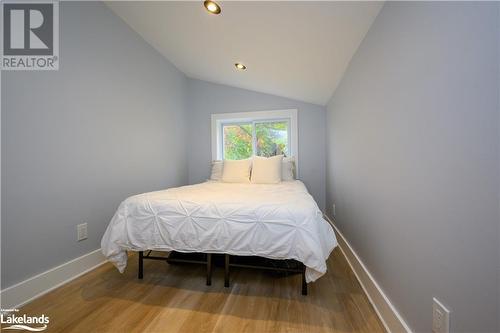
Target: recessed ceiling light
[
  {"x": 240, "y": 66},
  {"x": 212, "y": 7}
]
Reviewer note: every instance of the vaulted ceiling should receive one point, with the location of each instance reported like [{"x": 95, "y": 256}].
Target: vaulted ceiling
[{"x": 293, "y": 49}]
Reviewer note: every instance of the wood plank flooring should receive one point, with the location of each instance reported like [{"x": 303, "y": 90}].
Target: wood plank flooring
[{"x": 174, "y": 298}]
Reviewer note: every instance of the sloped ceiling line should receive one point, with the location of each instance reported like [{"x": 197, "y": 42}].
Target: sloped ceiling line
[{"x": 298, "y": 50}]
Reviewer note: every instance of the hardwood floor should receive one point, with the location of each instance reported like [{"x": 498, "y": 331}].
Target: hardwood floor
[{"x": 174, "y": 298}]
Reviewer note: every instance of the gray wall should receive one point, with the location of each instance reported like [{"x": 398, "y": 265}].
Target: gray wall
[
  {"x": 76, "y": 142},
  {"x": 498, "y": 106},
  {"x": 413, "y": 159},
  {"x": 206, "y": 98}
]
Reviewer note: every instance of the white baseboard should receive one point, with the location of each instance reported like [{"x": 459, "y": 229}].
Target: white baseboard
[
  {"x": 389, "y": 316},
  {"x": 26, "y": 291}
]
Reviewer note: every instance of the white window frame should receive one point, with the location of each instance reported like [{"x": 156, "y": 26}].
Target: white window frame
[{"x": 290, "y": 115}]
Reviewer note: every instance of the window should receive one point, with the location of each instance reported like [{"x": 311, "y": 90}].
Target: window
[
  {"x": 262, "y": 138},
  {"x": 242, "y": 135}
]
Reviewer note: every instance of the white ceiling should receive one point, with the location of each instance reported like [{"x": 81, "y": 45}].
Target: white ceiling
[{"x": 298, "y": 50}]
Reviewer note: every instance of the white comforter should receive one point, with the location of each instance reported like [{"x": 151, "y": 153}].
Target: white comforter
[{"x": 278, "y": 221}]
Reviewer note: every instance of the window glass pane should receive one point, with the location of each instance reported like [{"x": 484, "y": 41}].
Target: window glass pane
[
  {"x": 272, "y": 138},
  {"x": 237, "y": 141}
]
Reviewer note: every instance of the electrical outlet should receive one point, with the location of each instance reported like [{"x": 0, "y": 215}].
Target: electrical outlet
[
  {"x": 333, "y": 210},
  {"x": 81, "y": 231},
  {"x": 440, "y": 317}
]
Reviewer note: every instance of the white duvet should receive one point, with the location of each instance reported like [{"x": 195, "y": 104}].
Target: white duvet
[{"x": 278, "y": 221}]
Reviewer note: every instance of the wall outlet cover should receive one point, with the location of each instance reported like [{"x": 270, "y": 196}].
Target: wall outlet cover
[
  {"x": 81, "y": 230},
  {"x": 440, "y": 317}
]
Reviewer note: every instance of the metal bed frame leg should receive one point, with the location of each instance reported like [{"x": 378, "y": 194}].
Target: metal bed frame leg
[
  {"x": 304, "y": 284},
  {"x": 209, "y": 269},
  {"x": 226, "y": 270},
  {"x": 140, "y": 274}
]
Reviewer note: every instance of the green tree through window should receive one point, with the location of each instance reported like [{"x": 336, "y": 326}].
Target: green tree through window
[
  {"x": 237, "y": 141},
  {"x": 271, "y": 138}
]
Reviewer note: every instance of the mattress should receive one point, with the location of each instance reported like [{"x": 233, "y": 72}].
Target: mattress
[{"x": 276, "y": 221}]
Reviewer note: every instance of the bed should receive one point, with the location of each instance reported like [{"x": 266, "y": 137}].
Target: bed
[{"x": 275, "y": 221}]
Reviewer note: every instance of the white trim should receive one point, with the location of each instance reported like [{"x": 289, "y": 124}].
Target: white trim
[
  {"x": 388, "y": 314},
  {"x": 291, "y": 114},
  {"x": 26, "y": 291}
]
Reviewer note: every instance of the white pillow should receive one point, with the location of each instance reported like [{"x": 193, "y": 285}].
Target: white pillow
[
  {"x": 216, "y": 170},
  {"x": 236, "y": 171},
  {"x": 267, "y": 170},
  {"x": 288, "y": 169}
]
